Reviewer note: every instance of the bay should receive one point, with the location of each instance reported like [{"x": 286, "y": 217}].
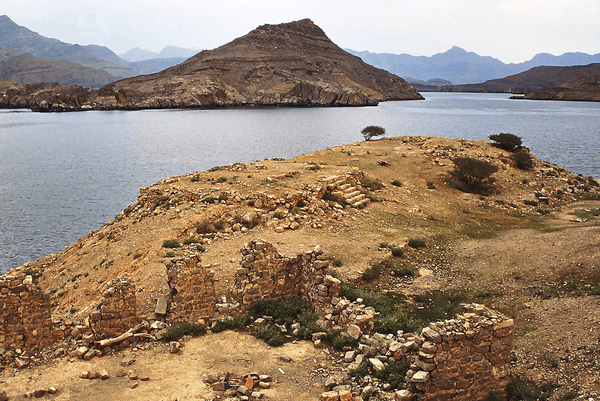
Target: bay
[{"x": 62, "y": 175}]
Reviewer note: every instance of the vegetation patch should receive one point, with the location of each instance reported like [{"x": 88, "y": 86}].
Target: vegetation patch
[
  {"x": 473, "y": 175},
  {"x": 171, "y": 243},
  {"x": 394, "y": 372},
  {"x": 521, "y": 389},
  {"x": 183, "y": 329},
  {"x": 506, "y": 141}
]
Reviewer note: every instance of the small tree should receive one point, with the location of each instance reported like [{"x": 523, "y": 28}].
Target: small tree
[
  {"x": 474, "y": 174},
  {"x": 523, "y": 160},
  {"x": 371, "y": 131},
  {"x": 509, "y": 142}
]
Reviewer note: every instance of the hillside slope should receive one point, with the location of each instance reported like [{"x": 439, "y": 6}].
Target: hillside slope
[{"x": 286, "y": 64}]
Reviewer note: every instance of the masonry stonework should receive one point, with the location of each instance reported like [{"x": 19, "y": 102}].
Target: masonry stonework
[
  {"x": 117, "y": 311},
  {"x": 25, "y": 313}
]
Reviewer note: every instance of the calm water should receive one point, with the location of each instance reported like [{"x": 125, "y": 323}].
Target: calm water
[{"x": 62, "y": 175}]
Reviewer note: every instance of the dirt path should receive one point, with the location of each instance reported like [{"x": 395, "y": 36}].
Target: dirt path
[{"x": 180, "y": 376}]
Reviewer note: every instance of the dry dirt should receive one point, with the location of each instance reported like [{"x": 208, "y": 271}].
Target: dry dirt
[{"x": 520, "y": 257}]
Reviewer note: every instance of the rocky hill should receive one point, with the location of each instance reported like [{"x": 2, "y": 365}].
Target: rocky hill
[
  {"x": 382, "y": 217},
  {"x": 576, "y": 80},
  {"x": 287, "y": 64},
  {"x": 28, "y": 69},
  {"x": 583, "y": 84}
]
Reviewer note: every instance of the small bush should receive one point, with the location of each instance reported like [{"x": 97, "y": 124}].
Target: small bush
[
  {"x": 338, "y": 262},
  {"x": 523, "y": 160},
  {"x": 393, "y": 374},
  {"x": 371, "y": 184},
  {"x": 506, "y": 141},
  {"x": 183, "y": 329},
  {"x": 219, "y": 224},
  {"x": 397, "y": 183},
  {"x": 397, "y": 251},
  {"x": 169, "y": 254},
  {"x": 171, "y": 243},
  {"x": 238, "y": 323},
  {"x": 371, "y": 131},
  {"x": 475, "y": 175},
  {"x": 430, "y": 185},
  {"x": 373, "y": 272},
  {"x": 417, "y": 242},
  {"x": 204, "y": 226},
  {"x": 530, "y": 202},
  {"x": 283, "y": 310},
  {"x": 190, "y": 240},
  {"x": 195, "y": 178}
]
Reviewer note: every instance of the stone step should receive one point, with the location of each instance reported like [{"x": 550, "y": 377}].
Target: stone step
[
  {"x": 355, "y": 199},
  {"x": 350, "y": 189},
  {"x": 338, "y": 193},
  {"x": 362, "y": 203},
  {"x": 331, "y": 179},
  {"x": 343, "y": 187},
  {"x": 351, "y": 194},
  {"x": 337, "y": 183}
]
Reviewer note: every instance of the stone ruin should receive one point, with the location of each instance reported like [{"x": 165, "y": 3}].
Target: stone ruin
[{"x": 464, "y": 358}]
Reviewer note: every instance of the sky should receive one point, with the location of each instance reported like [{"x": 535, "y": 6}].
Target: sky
[{"x": 510, "y": 30}]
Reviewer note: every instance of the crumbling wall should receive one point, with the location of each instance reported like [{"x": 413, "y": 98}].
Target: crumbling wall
[
  {"x": 463, "y": 358},
  {"x": 25, "y": 313},
  {"x": 193, "y": 290},
  {"x": 117, "y": 310},
  {"x": 266, "y": 275}
]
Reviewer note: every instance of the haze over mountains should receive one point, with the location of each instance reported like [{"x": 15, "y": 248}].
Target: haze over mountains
[
  {"x": 461, "y": 67},
  {"x": 34, "y": 58}
]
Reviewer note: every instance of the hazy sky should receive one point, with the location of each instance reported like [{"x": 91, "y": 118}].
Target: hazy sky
[{"x": 511, "y": 30}]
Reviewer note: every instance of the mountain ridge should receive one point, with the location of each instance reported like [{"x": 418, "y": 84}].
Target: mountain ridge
[{"x": 462, "y": 67}]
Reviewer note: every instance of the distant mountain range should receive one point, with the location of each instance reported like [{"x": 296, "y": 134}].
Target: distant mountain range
[
  {"x": 31, "y": 57},
  {"x": 461, "y": 67},
  {"x": 137, "y": 54}
]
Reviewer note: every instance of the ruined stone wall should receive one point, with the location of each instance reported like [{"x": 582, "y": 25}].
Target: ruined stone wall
[
  {"x": 25, "y": 314},
  {"x": 266, "y": 275},
  {"x": 117, "y": 310},
  {"x": 462, "y": 359},
  {"x": 193, "y": 290}
]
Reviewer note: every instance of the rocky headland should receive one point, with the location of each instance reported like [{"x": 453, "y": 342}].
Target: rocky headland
[
  {"x": 293, "y": 64},
  {"x": 378, "y": 217}
]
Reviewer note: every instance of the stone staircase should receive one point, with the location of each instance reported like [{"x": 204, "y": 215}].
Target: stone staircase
[{"x": 345, "y": 189}]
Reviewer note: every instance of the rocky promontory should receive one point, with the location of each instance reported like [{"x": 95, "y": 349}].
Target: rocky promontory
[
  {"x": 293, "y": 64},
  {"x": 345, "y": 228}
]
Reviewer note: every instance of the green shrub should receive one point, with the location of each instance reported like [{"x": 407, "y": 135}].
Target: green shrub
[
  {"x": 373, "y": 272},
  {"x": 283, "y": 310},
  {"x": 474, "y": 175},
  {"x": 417, "y": 242},
  {"x": 337, "y": 341},
  {"x": 190, "y": 240},
  {"x": 397, "y": 251},
  {"x": 219, "y": 224},
  {"x": 430, "y": 185},
  {"x": 530, "y": 202},
  {"x": 393, "y": 374},
  {"x": 171, "y": 243},
  {"x": 338, "y": 262},
  {"x": 183, "y": 329},
  {"x": 397, "y": 183},
  {"x": 238, "y": 323},
  {"x": 433, "y": 306},
  {"x": 523, "y": 160},
  {"x": 169, "y": 254},
  {"x": 371, "y": 183},
  {"x": 506, "y": 141},
  {"x": 271, "y": 335},
  {"x": 371, "y": 131},
  {"x": 195, "y": 178}
]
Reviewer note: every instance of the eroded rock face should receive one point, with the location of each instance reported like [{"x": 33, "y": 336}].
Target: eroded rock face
[{"x": 293, "y": 64}]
